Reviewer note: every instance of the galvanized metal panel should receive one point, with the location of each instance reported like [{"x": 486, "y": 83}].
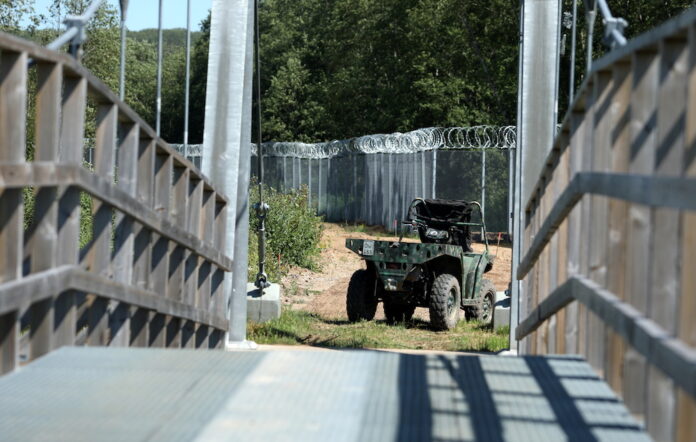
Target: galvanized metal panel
[{"x": 149, "y": 394}]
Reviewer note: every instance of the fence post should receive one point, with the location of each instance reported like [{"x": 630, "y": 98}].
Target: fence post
[
  {"x": 483, "y": 186},
  {"x": 309, "y": 182},
  {"x": 434, "y": 183},
  {"x": 231, "y": 28}
]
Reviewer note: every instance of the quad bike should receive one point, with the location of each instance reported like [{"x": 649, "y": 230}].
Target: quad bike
[{"x": 442, "y": 272}]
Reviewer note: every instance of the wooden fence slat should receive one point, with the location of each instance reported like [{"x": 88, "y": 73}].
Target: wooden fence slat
[
  {"x": 99, "y": 256},
  {"x": 577, "y": 141},
  {"x": 13, "y": 90},
  {"x": 600, "y": 162},
  {"x": 218, "y": 295},
  {"x": 645, "y": 74},
  {"x": 585, "y": 228},
  {"x": 618, "y": 213},
  {"x": 562, "y": 271},
  {"x": 193, "y": 261},
  {"x": 143, "y": 240},
  {"x": 122, "y": 255},
  {"x": 72, "y": 132},
  {"x": 178, "y": 208},
  {"x": 206, "y": 233},
  {"x": 159, "y": 279},
  {"x": 41, "y": 236}
]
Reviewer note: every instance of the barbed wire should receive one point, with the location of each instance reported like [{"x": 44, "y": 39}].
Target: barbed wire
[
  {"x": 474, "y": 137},
  {"x": 451, "y": 138},
  {"x": 194, "y": 150}
]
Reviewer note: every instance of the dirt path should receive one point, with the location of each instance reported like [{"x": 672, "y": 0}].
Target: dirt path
[{"x": 324, "y": 292}]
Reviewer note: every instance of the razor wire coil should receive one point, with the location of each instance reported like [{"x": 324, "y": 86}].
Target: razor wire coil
[{"x": 452, "y": 138}]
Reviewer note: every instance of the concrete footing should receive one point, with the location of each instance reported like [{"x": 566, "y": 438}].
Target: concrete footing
[
  {"x": 501, "y": 313},
  {"x": 263, "y": 308},
  {"x": 241, "y": 345}
]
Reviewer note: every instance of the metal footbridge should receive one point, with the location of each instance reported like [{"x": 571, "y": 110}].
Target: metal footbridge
[
  {"x": 119, "y": 333},
  {"x": 77, "y": 394}
]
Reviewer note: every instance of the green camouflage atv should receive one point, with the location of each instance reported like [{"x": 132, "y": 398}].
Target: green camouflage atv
[{"x": 442, "y": 272}]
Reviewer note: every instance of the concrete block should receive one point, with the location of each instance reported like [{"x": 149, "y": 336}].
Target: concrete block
[
  {"x": 263, "y": 308},
  {"x": 501, "y": 313}
]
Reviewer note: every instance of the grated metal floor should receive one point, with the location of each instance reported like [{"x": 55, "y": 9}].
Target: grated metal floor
[{"x": 76, "y": 394}]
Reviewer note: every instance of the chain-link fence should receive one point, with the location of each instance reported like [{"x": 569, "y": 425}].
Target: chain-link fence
[{"x": 373, "y": 179}]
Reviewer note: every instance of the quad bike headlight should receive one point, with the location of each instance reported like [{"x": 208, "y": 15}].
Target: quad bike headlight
[{"x": 436, "y": 234}]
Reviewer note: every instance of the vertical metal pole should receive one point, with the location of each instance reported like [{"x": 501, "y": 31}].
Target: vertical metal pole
[
  {"x": 285, "y": 182},
  {"x": 390, "y": 200},
  {"x": 309, "y": 182},
  {"x": 483, "y": 187},
  {"x": 122, "y": 67},
  {"x": 262, "y": 208},
  {"x": 422, "y": 158},
  {"x": 511, "y": 187},
  {"x": 238, "y": 305},
  {"x": 188, "y": 78},
  {"x": 355, "y": 188},
  {"x": 434, "y": 183},
  {"x": 571, "y": 93},
  {"x": 591, "y": 16},
  {"x": 327, "y": 194},
  {"x": 319, "y": 188},
  {"x": 158, "y": 117},
  {"x": 227, "y": 141}
]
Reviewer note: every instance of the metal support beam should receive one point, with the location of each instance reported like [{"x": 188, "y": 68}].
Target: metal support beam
[
  {"x": 536, "y": 118},
  {"x": 227, "y": 137}
]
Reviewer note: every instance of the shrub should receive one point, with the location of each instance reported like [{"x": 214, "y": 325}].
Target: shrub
[{"x": 293, "y": 231}]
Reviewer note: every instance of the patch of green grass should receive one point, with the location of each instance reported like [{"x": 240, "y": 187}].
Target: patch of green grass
[{"x": 299, "y": 327}]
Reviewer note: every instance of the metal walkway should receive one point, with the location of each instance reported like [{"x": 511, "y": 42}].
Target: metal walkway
[{"x": 132, "y": 394}]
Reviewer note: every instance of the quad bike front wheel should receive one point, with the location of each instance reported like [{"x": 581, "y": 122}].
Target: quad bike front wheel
[
  {"x": 361, "y": 300},
  {"x": 445, "y": 300},
  {"x": 486, "y": 307}
]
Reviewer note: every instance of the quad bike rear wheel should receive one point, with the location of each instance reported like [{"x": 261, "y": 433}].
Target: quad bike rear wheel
[
  {"x": 484, "y": 310},
  {"x": 361, "y": 300}
]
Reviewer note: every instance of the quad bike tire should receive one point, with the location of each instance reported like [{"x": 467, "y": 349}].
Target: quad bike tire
[
  {"x": 484, "y": 310},
  {"x": 445, "y": 301},
  {"x": 361, "y": 300}
]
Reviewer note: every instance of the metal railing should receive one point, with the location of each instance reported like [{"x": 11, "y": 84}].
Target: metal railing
[
  {"x": 130, "y": 253},
  {"x": 613, "y": 26},
  {"x": 75, "y": 34}
]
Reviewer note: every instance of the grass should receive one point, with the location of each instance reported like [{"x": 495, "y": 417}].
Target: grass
[{"x": 304, "y": 328}]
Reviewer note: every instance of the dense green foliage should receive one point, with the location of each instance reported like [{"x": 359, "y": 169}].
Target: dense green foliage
[
  {"x": 333, "y": 70},
  {"x": 292, "y": 232}
]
